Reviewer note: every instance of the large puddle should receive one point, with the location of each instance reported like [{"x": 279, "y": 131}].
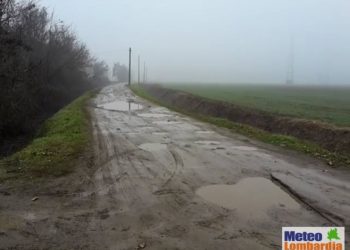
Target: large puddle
[
  {"x": 153, "y": 146},
  {"x": 207, "y": 143},
  {"x": 250, "y": 198},
  {"x": 160, "y": 133},
  {"x": 122, "y": 106},
  {"x": 244, "y": 148},
  {"x": 204, "y": 132},
  {"x": 153, "y": 115},
  {"x": 166, "y": 122}
]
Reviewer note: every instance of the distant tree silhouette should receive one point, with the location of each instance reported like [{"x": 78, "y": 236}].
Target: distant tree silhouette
[{"x": 120, "y": 72}]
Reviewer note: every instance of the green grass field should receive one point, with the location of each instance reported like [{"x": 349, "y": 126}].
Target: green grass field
[{"x": 331, "y": 105}]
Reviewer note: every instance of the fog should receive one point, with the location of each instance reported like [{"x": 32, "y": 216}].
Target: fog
[{"x": 244, "y": 41}]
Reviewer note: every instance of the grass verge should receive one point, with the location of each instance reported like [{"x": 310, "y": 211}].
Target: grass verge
[
  {"x": 288, "y": 142},
  {"x": 60, "y": 141},
  {"x": 320, "y": 103}
]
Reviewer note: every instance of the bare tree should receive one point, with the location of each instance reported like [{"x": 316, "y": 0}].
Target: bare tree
[{"x": 41, "y": 66}]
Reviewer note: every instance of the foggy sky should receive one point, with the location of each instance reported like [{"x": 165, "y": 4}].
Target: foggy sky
[{"x": 217, "y": 41}]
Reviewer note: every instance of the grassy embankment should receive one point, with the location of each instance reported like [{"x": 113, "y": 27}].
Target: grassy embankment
[
  {"x": 288, "y": 142},
  {"x": 327, "y": 104},
  {"x": 60, "y": 141}
]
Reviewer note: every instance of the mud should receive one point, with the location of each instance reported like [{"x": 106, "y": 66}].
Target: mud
[
  {"x": 137, "y": 192},
  {"x": 335, "y": 139}
]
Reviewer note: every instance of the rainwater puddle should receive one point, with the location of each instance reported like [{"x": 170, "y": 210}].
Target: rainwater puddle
[
  {"x": 250, "y": 198},
  {"x": 153, "y": 146},
  {"x": 29, "y": 216},
  {"x": 130, "y": 133},
  {"x": 244, "y": 148},
  {"x": 207, "y": 143},
  {"x": 146, "y": 127},
  {"x": 165, "y": 122},
  {"x": 159, "y": 110},
  {"x": 160, "y": 133},
  {"x": 153, "y": 115},
  {"x": 122, "y": 106},
  {"x": 204, "y": 132},
  {"x": 9, "y": 222}
]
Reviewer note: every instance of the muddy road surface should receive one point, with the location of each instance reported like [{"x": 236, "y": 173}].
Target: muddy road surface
[{"x": 161, "y": 180}]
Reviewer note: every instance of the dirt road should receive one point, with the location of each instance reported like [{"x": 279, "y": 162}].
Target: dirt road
[{"x": 161, "y": 180}]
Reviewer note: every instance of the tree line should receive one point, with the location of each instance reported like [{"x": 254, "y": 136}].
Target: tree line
[{"x": 43, "y": 66}]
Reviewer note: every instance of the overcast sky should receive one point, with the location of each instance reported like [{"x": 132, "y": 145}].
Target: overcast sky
[{"x": 218, "y": 41}]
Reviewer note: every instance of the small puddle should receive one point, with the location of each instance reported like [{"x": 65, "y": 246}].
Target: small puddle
[
  {"x": 153, "y": 146},
  {"x": 159, "y": 110},
  {"x": 165, "y": 122},
  {"x": 250, "y": 198},
  {"x": 204, "y": 132},
  {"x": 207, "y": 143},
  {"x": 122, "y": 106},
  {"x": 244, "y": 148},
  {"x": 146, "y": 128},
  {"x": 153, "y": 115},
  {"x": 11, "y": 222},
  {"x": 160, "y": 133},
  {"x": 29, "y": 216}
]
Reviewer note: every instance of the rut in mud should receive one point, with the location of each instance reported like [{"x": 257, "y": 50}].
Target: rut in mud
[{"x": 152, "y": 185}]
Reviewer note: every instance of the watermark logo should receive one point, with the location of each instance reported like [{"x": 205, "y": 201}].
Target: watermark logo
[{"x": 313, "y": 238}]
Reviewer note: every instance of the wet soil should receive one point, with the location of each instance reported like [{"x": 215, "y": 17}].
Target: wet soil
[{"x": 143, "y": 189}]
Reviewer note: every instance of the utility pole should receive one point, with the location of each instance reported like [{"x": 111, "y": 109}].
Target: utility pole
[
  {"x": 138, "y": 71},
  {"x": 144, "y": 72},
  {"x": 129, "y": 66}
]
